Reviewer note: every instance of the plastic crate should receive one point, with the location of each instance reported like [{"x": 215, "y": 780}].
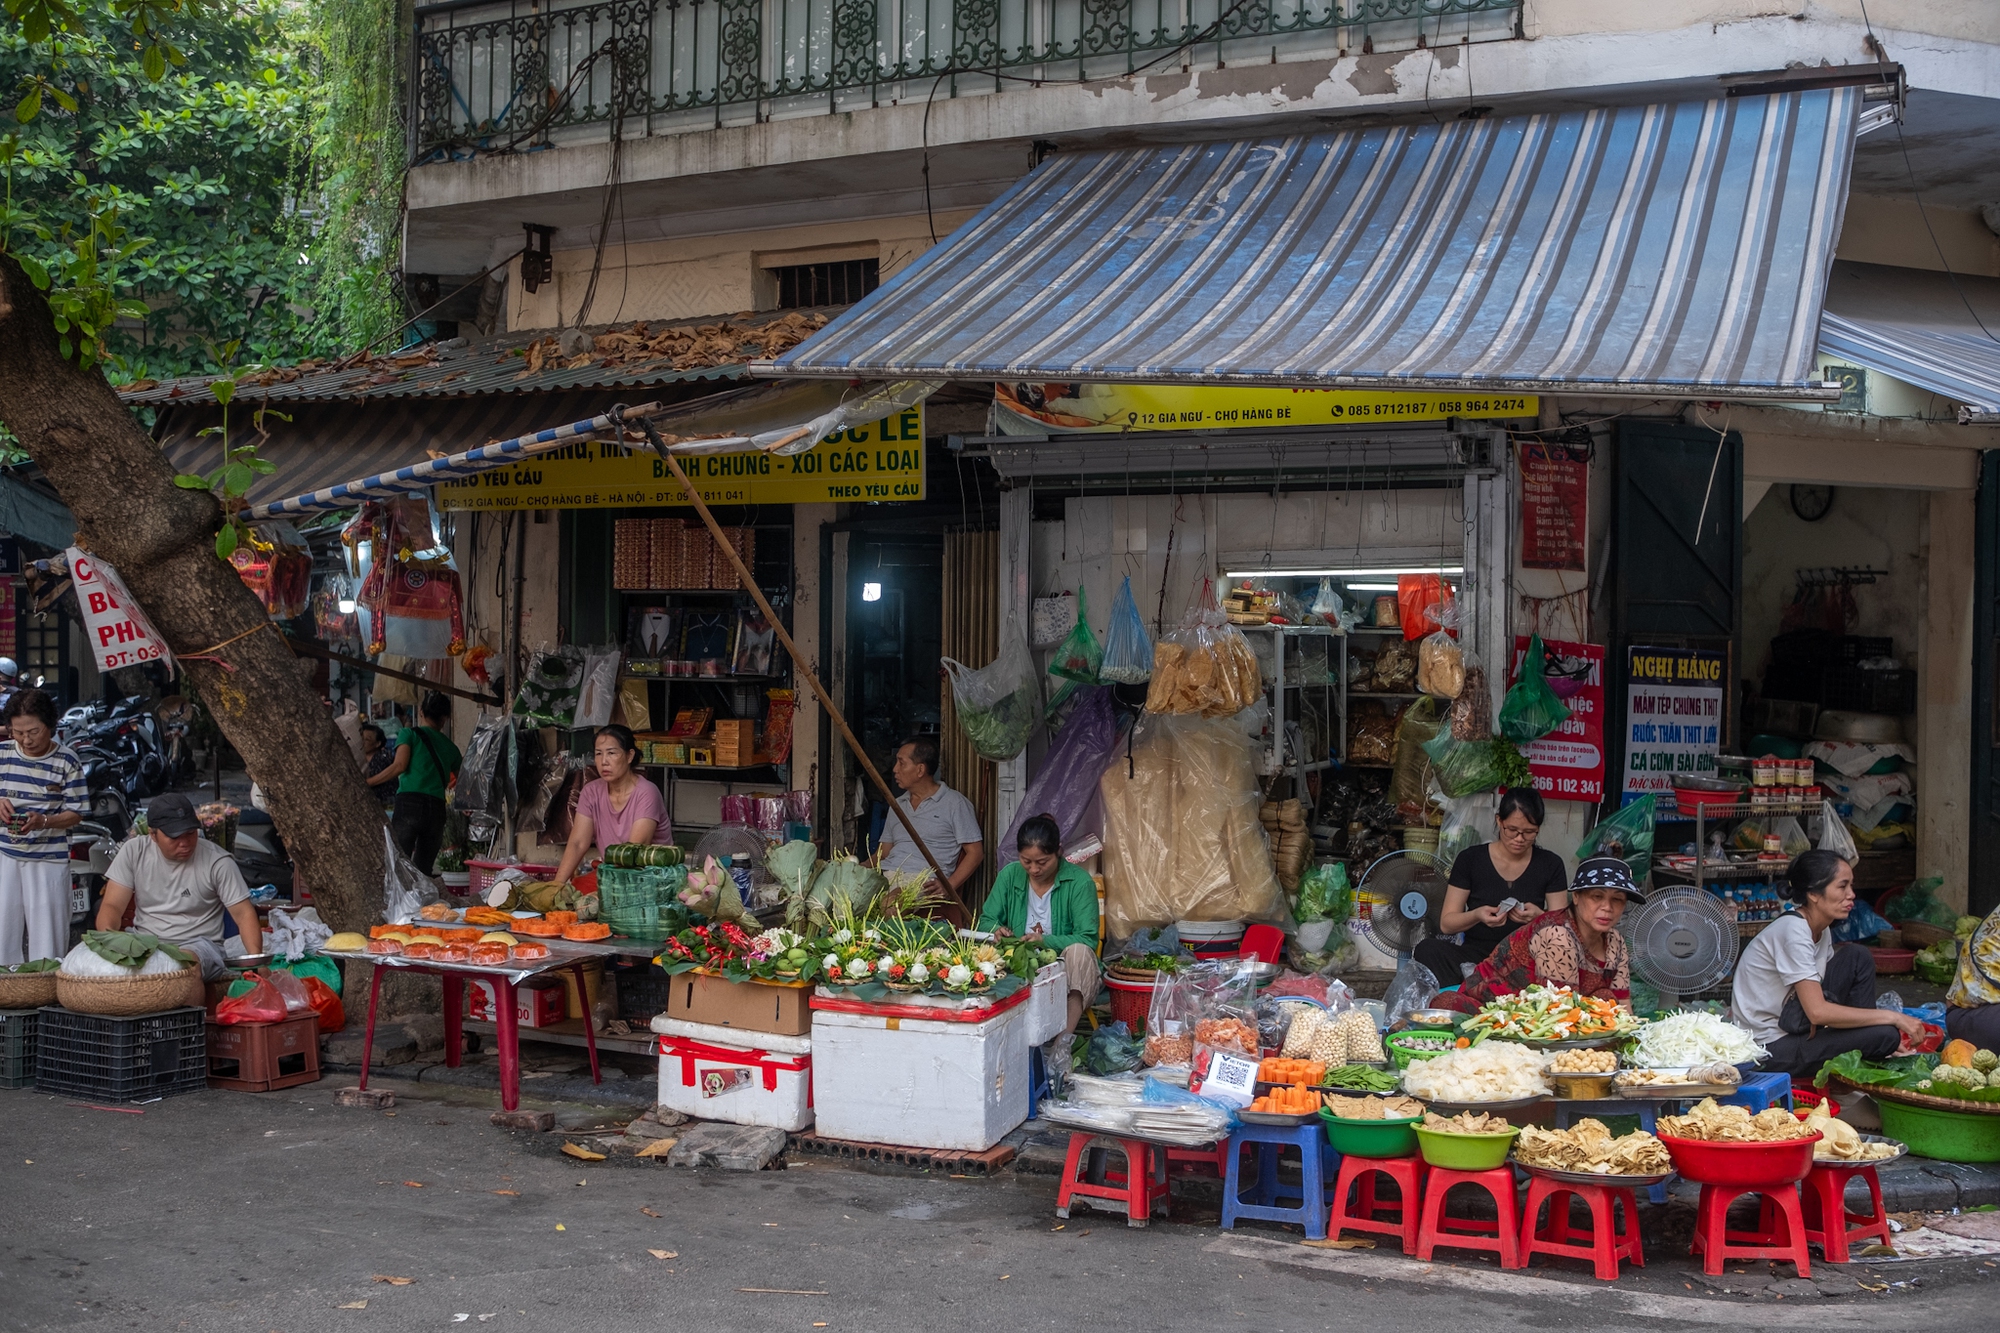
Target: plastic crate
[
  {"x": 17, "y": 1048},
  {"x": 642, "y": 993},
  {"x": 1854, "y": 690},
  {"x": 263, "y": 1057},
  {"x": 640, "y": 903},
  {"x": 121, "y": 1059}
]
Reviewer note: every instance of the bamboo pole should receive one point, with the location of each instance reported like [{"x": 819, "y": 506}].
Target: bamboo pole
[{"x": 749, "y": 582}]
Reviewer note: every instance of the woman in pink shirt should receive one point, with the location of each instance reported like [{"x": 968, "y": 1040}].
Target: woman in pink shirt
[{"x": 618, "y": 805}]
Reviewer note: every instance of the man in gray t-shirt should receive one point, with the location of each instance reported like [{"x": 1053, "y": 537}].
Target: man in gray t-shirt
[
  {"x": 944, "y": 819},
  {"x": 181, "y": 882}
]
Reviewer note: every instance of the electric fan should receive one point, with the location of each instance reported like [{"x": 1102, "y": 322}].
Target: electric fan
[
  {"x": 1682, "y": 941},
  {"x": 1409, "y": 889}
]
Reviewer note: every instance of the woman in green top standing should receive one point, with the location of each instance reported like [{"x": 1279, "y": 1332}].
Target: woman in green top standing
[
  {"x": 423, "y": 768},
  {"x": 1046, "y": 900}
]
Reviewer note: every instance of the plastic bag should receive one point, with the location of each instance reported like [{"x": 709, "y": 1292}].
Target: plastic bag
[
  {"x": 1420, "y": 603},
  {"x": 1205, "y": 666},
  {"x": 1410, "y": 780},
  {"x": 1919, "y": 903},
  {"x": 1863, "y": 923},
  {"x": 597, "y": 689},
  {"x": 1468, "y": 821},
  {"x": 326, "y": 1005},
  {"x": 1791, "y": 837},
  {"x": 1440, "y": 666},
  {"x": 1128, "y": 648},
  {"x": 1395, "y": 668},
  {"x": 1065, "y": 787},
  {"x": 1531, "y": 709},
  {"x": 294, "y": 935},
  {"x": 405, "y": 889},
  {"x": 1834, "y": 837},
  {"x": 1326, "y": 602},
  {"x": 1466, "y": 768},
  {"x": 1627, "y": 835},
  {"x": 1325, "y": 894},
  {"x": 1113, "y": 1050},
  {"x": 297, "y": 999},
  {"x": 262, "y": 1003},
  {"x": 1414, "y": 987},
  {"x": 1182, "y": 837},
  {"x": 1222, "y": 1009},
  {"x": 312, "y": 966},
  {"x": 999, "y": 704},
  {"x": 1471, "y": 716},
  {"x": 1169, "y": 1038},
  {"x": 548, "y": 690},
  {"x": 486, "y": 775},
  {"x": 1079, "y": 655}
]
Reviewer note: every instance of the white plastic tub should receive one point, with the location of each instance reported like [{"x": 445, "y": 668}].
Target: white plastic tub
[
  {"x": 744, "y": 1078},
  {"x": 949, "y": 1082}
]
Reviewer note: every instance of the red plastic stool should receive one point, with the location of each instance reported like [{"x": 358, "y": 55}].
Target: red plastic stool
[
  {"x": 1604, "y": 1246},
  {"x": 1138, "y": 1189},
  {"x": 1359, "y": 1173},
  {"x": 1825, "y": 1198},
  {"x": 1501, "y": 1235},
  {"x": 1780, "y": 1233},
  {"x": 1200, "y": 1161}
]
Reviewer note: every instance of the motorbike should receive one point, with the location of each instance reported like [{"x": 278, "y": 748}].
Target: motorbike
[
  {"x": 174, "y": 716},
  {"x": 91, "y": 847}
]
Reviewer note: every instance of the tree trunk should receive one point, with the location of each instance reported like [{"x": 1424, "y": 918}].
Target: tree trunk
[{"x": 161, "y": 540}]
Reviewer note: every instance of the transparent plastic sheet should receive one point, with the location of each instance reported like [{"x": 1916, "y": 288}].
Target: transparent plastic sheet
[
  {"x": 999, "y": 704},
  {"x": 1128, "y": 648},
  {"x": 405, "y": 889},
  {"x": 1409, "y": 781},
  {"x": 1079, "y": 656},
  {"x": 1833, "y": 835},
  {"x": 1531, "y": 710},
  {"x": 1413, "y": 988},
  {"x": 1163, "y": 1093},
  {"x": 1468, "y": 821},
  {"x": 1182, "y": 838},
  {"x": 1066, "y": 786},
  {"x": 1627, "y": 835},
  {"x": 1205, "y": 666}
]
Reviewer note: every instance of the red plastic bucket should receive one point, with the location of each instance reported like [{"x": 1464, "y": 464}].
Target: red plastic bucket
[
  {"x": 1130, "y": 1001},
  {"x": 1744, "y": 1165}
]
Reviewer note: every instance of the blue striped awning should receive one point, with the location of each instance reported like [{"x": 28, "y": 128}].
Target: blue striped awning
[
  {"x": 1938, "y": 331},
  {"x": 1647, "y": 249}
]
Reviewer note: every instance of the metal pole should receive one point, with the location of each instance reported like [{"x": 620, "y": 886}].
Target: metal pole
[{"x": 749, "y": 582}]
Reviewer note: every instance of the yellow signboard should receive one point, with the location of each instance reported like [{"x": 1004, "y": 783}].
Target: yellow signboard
[
  {"x": 882, "y": 461},
  {"x": 1103, "y": 409}
]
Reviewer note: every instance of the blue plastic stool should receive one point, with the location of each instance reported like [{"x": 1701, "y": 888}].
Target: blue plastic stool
[
  {"x": 1269, "y": 1198},
  {"x": 1760, "y": 1092}
]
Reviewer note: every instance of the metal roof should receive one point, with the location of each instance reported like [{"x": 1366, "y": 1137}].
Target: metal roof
[
  {"x": 1938, "y": 331},
  {"x": 637, "y": 355}
]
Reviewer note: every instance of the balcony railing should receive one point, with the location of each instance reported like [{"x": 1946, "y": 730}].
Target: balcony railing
[{"x": 512, "y": 75}]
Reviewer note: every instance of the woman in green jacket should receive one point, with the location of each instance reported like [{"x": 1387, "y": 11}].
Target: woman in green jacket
[{"x": 1043, "y": 898}]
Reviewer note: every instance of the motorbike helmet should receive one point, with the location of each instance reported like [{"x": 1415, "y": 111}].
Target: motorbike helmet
[{"x": 9, "y": 669}]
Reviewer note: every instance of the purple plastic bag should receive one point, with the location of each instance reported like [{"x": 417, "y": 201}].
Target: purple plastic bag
[{"x": 1066, "y": 785}]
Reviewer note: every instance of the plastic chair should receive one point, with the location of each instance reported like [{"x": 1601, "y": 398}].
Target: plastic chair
[
  {"x": 1139, "y": 1189},
  {"x": 1780, "y": 1233},
  {"x": 1828, "y": 1222},
  {"x": 1264, "y": 943},
  {"x": 1501, "y": 1236},
  {"x": 1359, "y": 1175},
  {"x": 1267, "y": 1199},
  {"x": 1760, "y": 1092},
  {"x": 1606, "y": 1244}
]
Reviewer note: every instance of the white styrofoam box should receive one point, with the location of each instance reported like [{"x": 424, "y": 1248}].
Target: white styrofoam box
[
  {"x": 701, "y": 1067},
  {"x": 1048, "y": 1006},
  {"x": 919, "y": 1082}
]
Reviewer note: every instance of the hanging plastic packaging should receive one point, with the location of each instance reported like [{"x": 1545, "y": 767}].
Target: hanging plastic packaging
[
  {"x": 1472, "y": 707},
  {"x": 486, "y": 777},
  {"x": 1206, "y": 666},
  {"x": 999, "y": 704},
  {"x": 1420, "y": 600},
  {"x": 1326, "y": 602},
  {"x": 1128, "y": 648},
  {"x": 1065, "y": 788},
  {"x": 1531, "y": 709},
  {"x": 1410, "y": 780},
  {"x": 1464, "y": 768},
  {"x": 1440, "y": 666},
  {"x": 1468, "y": 821},
  {"x": 1627, "y": 835},
  {"x": 597, "y": 689},
  {"x": 1079, "y": 655}
]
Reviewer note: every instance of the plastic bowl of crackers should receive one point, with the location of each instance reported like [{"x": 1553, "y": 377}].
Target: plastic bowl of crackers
[
  {"x": 1468, "y": 1141},
  {"x": 1372, "y": 1126}
]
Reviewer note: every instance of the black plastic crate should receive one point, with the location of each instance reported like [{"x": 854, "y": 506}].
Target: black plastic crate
[
  {"x": 1815, "y": 649},
  {"x": 1856, "y": 691},
  {"x": 642, "y": 993},
  {"x": 121, "y": 1059},
  {"x": 17, "y": 1048}
]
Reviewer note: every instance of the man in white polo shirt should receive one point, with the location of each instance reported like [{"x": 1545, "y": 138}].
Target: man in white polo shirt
[{"x": 944, "y": 819}]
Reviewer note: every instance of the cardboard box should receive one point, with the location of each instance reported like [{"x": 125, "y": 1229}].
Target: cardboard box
[
  {"x": 593, "y": 978},
  {"x": 540, "y": 1003},
  {"x": 751, "y": 1006}
]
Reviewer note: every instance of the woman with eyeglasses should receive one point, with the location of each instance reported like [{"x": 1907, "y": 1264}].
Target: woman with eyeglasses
[{"x": 1494, "y": 888}]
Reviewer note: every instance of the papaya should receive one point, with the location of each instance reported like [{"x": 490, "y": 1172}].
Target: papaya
[{"x": 1958, "y": 1053}]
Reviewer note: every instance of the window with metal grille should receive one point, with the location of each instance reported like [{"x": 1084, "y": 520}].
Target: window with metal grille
[{"x": 842, "y": 283}]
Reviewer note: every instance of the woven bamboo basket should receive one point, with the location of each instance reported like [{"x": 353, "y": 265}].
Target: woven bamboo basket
[
  {"x": 1909, "y": 1098},
  {"x": 27, "y": 990},
  {"x": 123, "y": 997}
]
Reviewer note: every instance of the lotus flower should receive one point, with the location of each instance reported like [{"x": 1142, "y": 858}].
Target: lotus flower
[
  {"x": 958, "y": 975},
  {"x": 989, "y": 970},
  {"x": 843, "y": 936},
  {"x": 859, "y": 967},
  {"x": 918, "y": 972},
  {"x": 885, "y": 965},
  {"x": 831, "y": 962}
]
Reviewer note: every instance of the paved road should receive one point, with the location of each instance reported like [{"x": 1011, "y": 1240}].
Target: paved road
[{"x": 228, "y": 1212}]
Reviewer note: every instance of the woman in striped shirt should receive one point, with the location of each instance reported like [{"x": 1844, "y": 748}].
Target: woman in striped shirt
[{"x": 42, "y": 793}]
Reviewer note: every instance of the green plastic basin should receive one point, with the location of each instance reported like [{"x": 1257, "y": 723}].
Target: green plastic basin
[
  {"x": 1947, "y": 1136},
  {"x": 1371, "y": 1138},
  {"x": 1465, "y": 1152}
]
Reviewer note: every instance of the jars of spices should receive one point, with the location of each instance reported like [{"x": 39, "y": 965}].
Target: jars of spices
[{"x": 1764, "y": 770}]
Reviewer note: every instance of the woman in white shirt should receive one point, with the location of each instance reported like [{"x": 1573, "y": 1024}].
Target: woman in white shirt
[{"x": 1804, "y": 998}]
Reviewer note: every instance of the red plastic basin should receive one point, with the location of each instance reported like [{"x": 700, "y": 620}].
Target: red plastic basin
[{"x": 1746, "y": 1165}]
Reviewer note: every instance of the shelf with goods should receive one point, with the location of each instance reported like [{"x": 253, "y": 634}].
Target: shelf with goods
[
  {"x": 1292, "y": 700},
  {"x": 1751, "y": 881}
]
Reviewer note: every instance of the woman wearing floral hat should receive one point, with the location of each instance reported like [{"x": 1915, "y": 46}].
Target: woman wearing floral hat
[{"x": 1577, "y": 945}]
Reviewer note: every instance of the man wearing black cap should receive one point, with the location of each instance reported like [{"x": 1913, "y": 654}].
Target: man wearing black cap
[{"x": 182, "y": 883}]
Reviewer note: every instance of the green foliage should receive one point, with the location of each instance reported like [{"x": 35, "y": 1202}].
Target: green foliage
[
  {"x": 240, "y": 464},
  {"x": 358, "y": 164}
]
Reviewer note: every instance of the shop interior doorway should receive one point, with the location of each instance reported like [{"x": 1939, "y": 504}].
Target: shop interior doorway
[{"x": 895, "y": 593}]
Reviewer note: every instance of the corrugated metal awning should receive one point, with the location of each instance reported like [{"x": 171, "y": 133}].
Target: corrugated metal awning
[
  {"x": 1938, "y": 331},
  {"x": 1650, "y": 249}
]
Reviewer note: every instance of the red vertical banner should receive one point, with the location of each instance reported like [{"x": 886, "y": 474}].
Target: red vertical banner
[
  {"x": 1568, "y": 763},
  {"x": 10, "y": 594},
  {"x": 1555, "y": 502}
]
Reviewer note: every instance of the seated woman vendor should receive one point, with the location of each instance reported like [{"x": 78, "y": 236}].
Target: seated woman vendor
[
  {"x": 616, "y": 806},
  {"x": 1044, "y": 898},
  {"x": 1972, "y": 1005},
  {"x": 1576, "y": 946},
  {"x": 1496, "y": 887},
  {"x": 1803, "y": 997}
]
